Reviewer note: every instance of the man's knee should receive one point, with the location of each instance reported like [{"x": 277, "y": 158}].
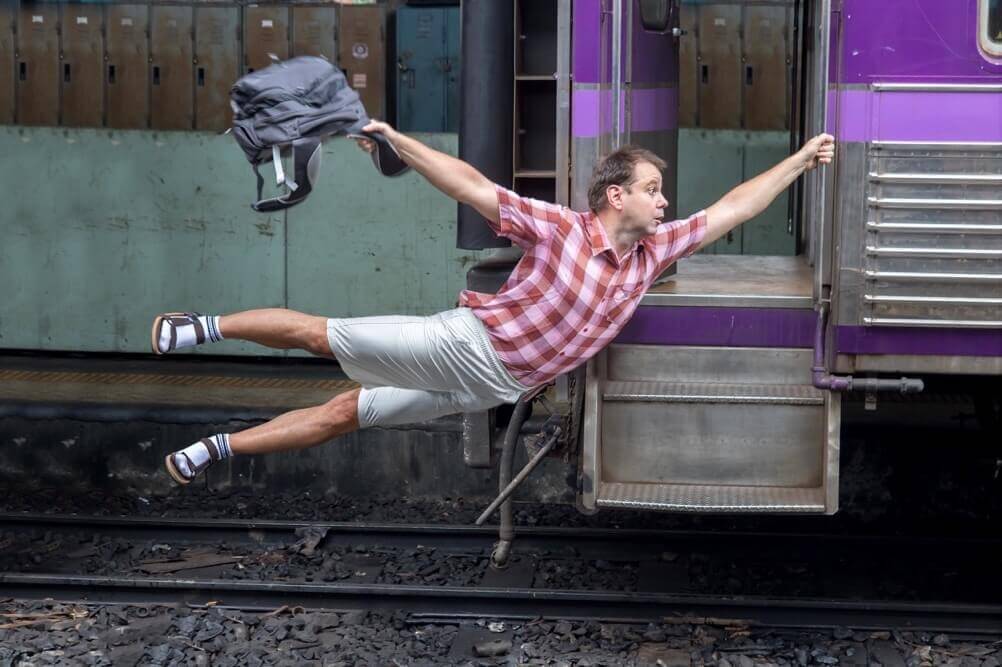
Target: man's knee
[
  {"x": 317, "y": 342},
  {"x": 342, "y": 411}
]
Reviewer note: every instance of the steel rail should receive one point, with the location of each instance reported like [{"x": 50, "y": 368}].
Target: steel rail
[{"x": 455, "y": 601}]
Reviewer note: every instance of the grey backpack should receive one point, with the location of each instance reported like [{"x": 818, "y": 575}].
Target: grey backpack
[{"x": 289, "y": 108}]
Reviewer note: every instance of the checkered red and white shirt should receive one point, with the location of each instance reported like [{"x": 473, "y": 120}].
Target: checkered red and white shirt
[{"x": 569, "y": 295}]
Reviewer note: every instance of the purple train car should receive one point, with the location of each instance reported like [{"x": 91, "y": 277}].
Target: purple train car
[{"x": 723, "y": 394}]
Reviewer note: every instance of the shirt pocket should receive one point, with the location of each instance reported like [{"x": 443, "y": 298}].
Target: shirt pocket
[{"x": 622, "y": 300}]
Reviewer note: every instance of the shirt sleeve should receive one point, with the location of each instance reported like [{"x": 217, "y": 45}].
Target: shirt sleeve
[
  {"x": 677, "y": 239},
  {"x": 523, "y": 220}
]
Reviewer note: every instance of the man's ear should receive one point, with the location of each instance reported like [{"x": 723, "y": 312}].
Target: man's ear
[{"x": 614, "y": 194}]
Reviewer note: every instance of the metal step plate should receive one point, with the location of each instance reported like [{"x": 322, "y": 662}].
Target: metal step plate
[
  {"x": 703, "y": 498},
  {"x": 694, "y": 392}
]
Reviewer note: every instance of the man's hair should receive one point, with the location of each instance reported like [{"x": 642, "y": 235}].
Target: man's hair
[{"x": 617, "y": 168}]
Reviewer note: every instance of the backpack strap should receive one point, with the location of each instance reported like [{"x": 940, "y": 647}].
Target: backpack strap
[{"x": 306, "y": 154}]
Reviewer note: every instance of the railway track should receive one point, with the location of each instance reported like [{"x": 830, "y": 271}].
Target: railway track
[{"x": 392, "y": 567}]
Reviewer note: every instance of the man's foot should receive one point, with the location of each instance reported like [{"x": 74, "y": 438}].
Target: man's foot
[
  {"x": 186, "y": 464},
  {"x": 174, "y": 331}
]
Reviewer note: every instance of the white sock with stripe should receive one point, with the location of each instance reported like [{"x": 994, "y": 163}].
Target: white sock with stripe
[
  {"x": 187, "y": 334},
  {"x": 198, "y": 453}
]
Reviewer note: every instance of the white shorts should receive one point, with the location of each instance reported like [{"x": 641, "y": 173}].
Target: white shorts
[{"x": 413, "y": 369}]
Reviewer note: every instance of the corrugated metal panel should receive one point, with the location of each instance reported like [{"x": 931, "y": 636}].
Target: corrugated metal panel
[{"x": 933, "y": 243}]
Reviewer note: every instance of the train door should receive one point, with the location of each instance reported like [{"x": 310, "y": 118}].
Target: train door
[{"x": 706, "y": 401}]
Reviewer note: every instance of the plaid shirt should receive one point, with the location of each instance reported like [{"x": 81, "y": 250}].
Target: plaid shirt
[{"x": 569, "y": 295}]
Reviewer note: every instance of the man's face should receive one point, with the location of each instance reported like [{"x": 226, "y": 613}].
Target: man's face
[{"x": 643, "y": 203}]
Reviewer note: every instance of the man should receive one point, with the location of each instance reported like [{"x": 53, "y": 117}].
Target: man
[{"x": 577, "y": 284}]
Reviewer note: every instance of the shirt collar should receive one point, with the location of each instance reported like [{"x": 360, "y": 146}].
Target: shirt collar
[{"x": 600, "y": 239}]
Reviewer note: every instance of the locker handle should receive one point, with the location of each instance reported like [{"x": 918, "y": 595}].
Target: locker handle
[
  {"x": 156, "y": 75},
  {"x": 749, "y": 75},
  {"x": 705, "y": 73},
  {"x": 201, "y": 76},
  {"x": 66, "y": 73},
  {"x": 111, "y": 74},
  {"x": 23, "y": 74}
]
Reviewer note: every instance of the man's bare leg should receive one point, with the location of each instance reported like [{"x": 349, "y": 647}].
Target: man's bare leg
[
  {"x": 297, "y": 429},
  {"x": 300, "y": 429},
  {"x": 279, "y": 328}
]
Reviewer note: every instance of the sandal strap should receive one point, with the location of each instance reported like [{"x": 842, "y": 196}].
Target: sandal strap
[
  {"x": 184, "y": 319},
  {"x": 213, "y": 448}
]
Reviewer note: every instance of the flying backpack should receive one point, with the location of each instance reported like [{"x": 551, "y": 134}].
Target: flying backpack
[{"x": 289, "y": 108}]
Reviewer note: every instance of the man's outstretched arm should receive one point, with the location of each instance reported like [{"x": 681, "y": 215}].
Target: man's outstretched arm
[
  {"x": 752, "y": 197},
  {"x": 452, "y": 176}
]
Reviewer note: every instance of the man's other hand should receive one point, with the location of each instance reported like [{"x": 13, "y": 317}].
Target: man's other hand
[
  {"x": 819, "y": 150},
  {"x": 368, "y": 145}
]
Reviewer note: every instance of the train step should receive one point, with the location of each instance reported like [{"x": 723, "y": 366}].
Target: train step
[{"x": 708, "y": 429}]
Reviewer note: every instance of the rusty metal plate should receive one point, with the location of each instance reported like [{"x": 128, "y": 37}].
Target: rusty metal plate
[
  {"x": 720, "y": 66},
  {"x": 126, "y": 72},
  {"x": 266, "y": 34},
  {"x": 766, "y": 72},
  {"x": 362, "y": 54},
  {"x": 217, "y": 65},
  {"x": 82, "y": 102},
  {"x": 172, "y": 93},
  {"x": 314, "y": 32},
  {"x": 37, "y": 66}
]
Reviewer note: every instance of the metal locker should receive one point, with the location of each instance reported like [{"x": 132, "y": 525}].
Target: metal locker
[
  {"x": 37, "y": 67},
  {"x": 126, "y": 74},
  {"x": 266, "y": 33},
  {"x": 765, "y": 68},
  {"x": 7, "y": 15},
  {"x": 217, "y": 65},
  {"x": 362, "y": 54},
  {"x": 688, "y": 46},
  {"x": 720, "y": 66},
  {"x": 314, "y": 32},
  {"x": 172, "y": 103},
  {"x": 82, "y": 101},
  {"x": 421, "y": 52}
]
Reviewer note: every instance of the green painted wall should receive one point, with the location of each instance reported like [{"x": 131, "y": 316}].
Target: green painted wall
[
  {"x": 101, "y": 230},
  {"x": 712, "y": 162}
]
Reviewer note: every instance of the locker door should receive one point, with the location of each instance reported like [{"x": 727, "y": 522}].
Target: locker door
[
  {"x": 720, "y": 66},
  {"x": 362, "y": 54},
  {"x": 7, "y": 14},
  {"x": 421, "y": 83},
  {"x": 171, "y": 73},
  {"x": 765, "y": 76},
  {"x": 126, "y": 75},
  {"x": 266, "y": 33},
  {"x": 313, "y": 32},
  {"x": 453, "y": 71},
  {"x": 82, "y": 75},
  {"x": 217, "y": 65},
  {"x": 37, "y": 70},
  {"x": 688, "y": 68}
]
